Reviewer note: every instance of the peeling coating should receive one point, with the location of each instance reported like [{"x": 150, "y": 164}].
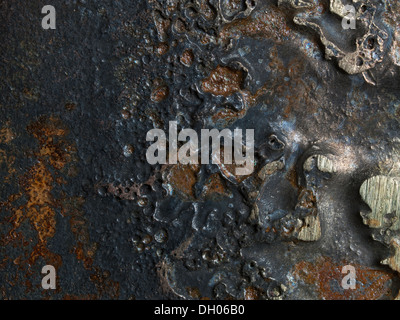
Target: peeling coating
[{"x": 382, "y": 194}]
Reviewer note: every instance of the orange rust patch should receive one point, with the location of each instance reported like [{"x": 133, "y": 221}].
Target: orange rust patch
[
  {"x": 53, "y": 148},
  {"x": 194, "y": 292},
  {"x": 292, "y": 177},
  {"x": 187, "y": 58},
  {"x": 31, "y": 94},
  {"x": 307, "y": 199},
  {"x": 227, "y": 116},
  {"x": 180, "y": 26},
  {"x": 162, "y": 48},
  {"x": 126, "y": 114},
  {"x": 8, "y": 161},
  {"x": 155, "y": 117},
  {"x": 6, "y": 134},
  {"x": 84, "y": 250},
  {"x": 327, "y": 277},
  {"x": 104, "y": 285},
  {"x": 215, "y": 187},
  {"x": 223, "y": 81},
  {"x": 206, "y": 10},
  {"x": 269, "y": 24},
  {"x": 182, "y": 179},
  {"x": 53, "y": 160},
  {"x": 251, "y": 293},
  {"x": 160, "y": 93}
]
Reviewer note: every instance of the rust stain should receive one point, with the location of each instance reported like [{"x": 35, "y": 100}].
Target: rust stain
[
  {"x": 104, "y": 284},
  {"x": 83, "y": 250},
  {"x": 206, "y": 10},
  {"x": 394, "y": 260},
  {"x": 227, "y": 116},
  {"x": 182, "y": 179},
  {"x": 327, "y": 277},
  {"x": 285, "y": 83},
  {"x": 55, "y": 158},
  {"x": 187, "y": 58},
  {"x": 8, "y": 161},
  {"x": 194, "y": 292},
  {"x": 53, "y": 148},
  {"x": 307, "y": 199},
  {"x": 31, "y": 94},
  {"x": 37, "y": 185},
  {"x": 160, "y": 93},
  {"x": 70, "y": 106},
  {"x": 180, "y": 26},
  {"x": 252, "y": 293},
  {"x": 162, "y": 25},
  {"x": 215, "y": 187},
  {"x": 162, "y": 48},
  {"x": 6, "y": 134},
  {"x": 292, "y": 177},
  {"x": 269, "y": 24},
  {"x": 223, "y": 81}
]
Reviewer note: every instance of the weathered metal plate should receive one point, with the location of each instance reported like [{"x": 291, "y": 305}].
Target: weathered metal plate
[{"x": 78, "y": 193}]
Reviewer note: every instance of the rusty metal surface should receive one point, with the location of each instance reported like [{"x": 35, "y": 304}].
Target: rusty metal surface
[{"x": 76, "y": 189}]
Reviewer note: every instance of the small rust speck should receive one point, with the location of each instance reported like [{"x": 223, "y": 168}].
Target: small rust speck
[
  {"x": 182, "y": 179},
  {"x": 159, "y": 93},
  {"x": 323, "y": 273},
  {"x": 251, "y": 293},
  {"x": 194, "y": 292},
  {"x": 162, "y": 48},
  {"x": 70, "y": 106},
  {"x": 187, "y": 58}
]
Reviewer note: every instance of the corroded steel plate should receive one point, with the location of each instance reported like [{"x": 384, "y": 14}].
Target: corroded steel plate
[{"x": 317, "y": 216}]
